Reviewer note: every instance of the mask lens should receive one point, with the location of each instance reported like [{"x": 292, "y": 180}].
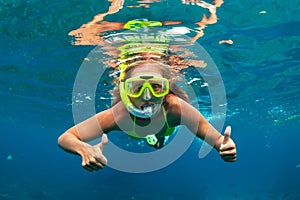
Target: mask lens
[
  {"x": 136, "y": 86},
  {"x": 158, "y": 86}
]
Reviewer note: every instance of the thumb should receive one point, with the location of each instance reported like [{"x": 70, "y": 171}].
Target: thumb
[
  {"x": 227, "y": 134},
  {"x": 103, "y": 142}
]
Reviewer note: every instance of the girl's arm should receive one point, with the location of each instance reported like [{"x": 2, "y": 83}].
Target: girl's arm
[
  {"x": 185, "y": 114},
  {"x": 74, "y": 139}
]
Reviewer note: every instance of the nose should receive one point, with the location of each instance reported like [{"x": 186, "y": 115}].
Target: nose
[{"x": 147, "y": 94}]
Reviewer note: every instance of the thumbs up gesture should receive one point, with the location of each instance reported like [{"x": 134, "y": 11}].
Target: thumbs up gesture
[
  {"x": 92, "y": 156},
  {"x": 227, "y": 149}
]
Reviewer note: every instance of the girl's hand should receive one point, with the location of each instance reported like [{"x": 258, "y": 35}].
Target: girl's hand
[
  {"x": 227, "y": 149},
  {"x": 92, "y": 156}
]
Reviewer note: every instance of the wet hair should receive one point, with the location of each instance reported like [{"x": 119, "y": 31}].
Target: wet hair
[{"x": 167, "y": 73}]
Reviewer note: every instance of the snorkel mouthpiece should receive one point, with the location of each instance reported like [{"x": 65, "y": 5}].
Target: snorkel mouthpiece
[
  {"x": 147, "y": 112},
  {"x": 148, "y": 109}
]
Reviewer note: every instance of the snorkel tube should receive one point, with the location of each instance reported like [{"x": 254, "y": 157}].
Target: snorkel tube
[{"x": 127, "y": 53}]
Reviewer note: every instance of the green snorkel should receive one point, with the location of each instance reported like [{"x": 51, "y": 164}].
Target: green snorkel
[
  {"x": 129, "y": 51},
  {"x": 141, "y": 23}
]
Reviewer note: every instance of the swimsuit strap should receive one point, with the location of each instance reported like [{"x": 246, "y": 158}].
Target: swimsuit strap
[
  {"x": 169, "y": 130},
  {"x": 134, "y": 123},
  {"x": 165, "y": 117}
]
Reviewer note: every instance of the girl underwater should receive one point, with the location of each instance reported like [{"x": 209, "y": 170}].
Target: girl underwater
[{"x": 147, "y": 103}]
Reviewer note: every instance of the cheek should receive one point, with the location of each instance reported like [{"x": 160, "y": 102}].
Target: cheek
[
  {"x": 158, "y": 100},
  {"x": 135, "y": 101}
]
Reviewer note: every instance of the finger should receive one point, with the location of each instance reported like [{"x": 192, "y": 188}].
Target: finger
[
  {"x": 226, "y": 147},
  {"x": 95, "y": 164},
  {"x": 103, "y": 142},
  {"x": 229, "y": 158},
  {"x": 227, "y": 151},
  {"x": 102, "y": 160},
  {"x": 92, "y": 164},
  {"x": 227, "y": 134},
  {"x": 229, "y": 155},
  {"x": 87, "y": 168}
]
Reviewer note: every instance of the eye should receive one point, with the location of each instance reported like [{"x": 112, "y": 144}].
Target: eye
[
  {"x": 156, "y": 87},
  {"x": 137, "y": 89},
  {"x": 136, "y": 86}
]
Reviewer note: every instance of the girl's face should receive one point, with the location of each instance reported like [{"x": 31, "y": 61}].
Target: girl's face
[{"x": 146, "y": 99}]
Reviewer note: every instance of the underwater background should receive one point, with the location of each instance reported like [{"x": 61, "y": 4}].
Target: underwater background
[{"x": 39, "y": 61}]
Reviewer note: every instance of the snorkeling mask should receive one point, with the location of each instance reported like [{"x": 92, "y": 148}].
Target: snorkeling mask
[{"x": 135, "y": 87}]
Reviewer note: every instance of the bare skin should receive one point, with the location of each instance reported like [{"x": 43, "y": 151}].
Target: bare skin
[{"x": 117, "y": 117}]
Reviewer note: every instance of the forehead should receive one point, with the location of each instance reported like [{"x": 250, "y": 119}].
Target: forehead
[{"x": 147, "y": 69}]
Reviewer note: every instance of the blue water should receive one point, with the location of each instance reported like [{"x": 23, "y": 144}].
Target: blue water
[{"x": 260, "y": 71}]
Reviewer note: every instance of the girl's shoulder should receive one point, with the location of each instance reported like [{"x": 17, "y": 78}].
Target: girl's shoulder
[
  {"x": 175, "y": 105},
  {"x": 172, "y": 105},
  {"x": 174, "y": 101},
  {"x": 173, "y": 109},
  {"x": 171, "y": 100}
]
